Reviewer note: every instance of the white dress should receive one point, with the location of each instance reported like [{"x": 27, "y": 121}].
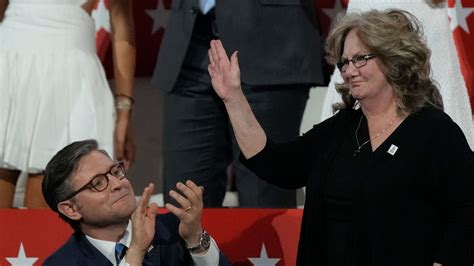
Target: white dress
[
  {"x": 444, "y": 60},
  {"x": 53, "y": 89}
]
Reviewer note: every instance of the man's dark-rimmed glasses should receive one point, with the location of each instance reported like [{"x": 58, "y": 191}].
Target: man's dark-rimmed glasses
[{"x": 100, "y": 182}]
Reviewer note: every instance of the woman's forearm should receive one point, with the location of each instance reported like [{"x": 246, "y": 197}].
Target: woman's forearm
[
  {"x": 249, "y": 134},
  {"x": 123, "y": 44}
]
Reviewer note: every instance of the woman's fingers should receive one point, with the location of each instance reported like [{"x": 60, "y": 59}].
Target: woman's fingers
[
  {"x": 215, "y": 56},
  {"x": 212, "y": 67},
  {"x": 211, "y": 58},
  {"x": 120, "y": 134},
  {"x": 234, "y": 61},
  {"x": 221, "y": 54}
]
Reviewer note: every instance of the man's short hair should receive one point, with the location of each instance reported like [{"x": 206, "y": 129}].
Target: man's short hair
[{"x": 57, "y": 182}]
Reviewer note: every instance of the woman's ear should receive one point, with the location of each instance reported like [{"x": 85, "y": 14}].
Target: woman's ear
[{"x": 69, "y": 209}]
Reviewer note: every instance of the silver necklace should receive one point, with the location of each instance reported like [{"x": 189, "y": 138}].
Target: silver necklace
[{"x": 359, "y": 146}]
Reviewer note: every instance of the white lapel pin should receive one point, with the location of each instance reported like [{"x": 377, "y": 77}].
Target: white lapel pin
[{"x": 392, "y": 150}]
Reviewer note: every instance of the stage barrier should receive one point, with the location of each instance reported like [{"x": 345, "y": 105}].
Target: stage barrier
[{"x": 246, "y": 236}]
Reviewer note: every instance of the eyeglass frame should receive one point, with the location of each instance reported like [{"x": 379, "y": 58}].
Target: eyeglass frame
[
  {"x": 89, "y": 185},
  {"x": 356, "y": 61}
]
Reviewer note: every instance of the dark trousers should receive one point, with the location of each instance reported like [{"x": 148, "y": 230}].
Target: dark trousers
[{"x": 198, "y": 139}]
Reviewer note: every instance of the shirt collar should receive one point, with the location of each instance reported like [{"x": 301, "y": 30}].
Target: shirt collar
[{"x": 107, "y": 248}]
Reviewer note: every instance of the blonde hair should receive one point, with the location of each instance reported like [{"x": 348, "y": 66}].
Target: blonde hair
[{"x": 396, "y": 37}]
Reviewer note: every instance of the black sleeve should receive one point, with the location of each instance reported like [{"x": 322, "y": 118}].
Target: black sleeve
[
  {"x": 288, "y": 165},
  {"x": 454, "y": 164}
]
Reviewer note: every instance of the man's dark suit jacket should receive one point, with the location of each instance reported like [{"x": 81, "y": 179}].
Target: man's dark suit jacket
[
  {"x": 168, "y": 248},
  {"x": 278, "y": 40}
]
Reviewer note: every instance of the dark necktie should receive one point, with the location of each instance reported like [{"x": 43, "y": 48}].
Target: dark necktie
[{"x": 120, "y": 250}]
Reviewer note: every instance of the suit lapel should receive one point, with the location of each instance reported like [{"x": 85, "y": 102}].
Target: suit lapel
[
  {"x": 167, "y": 245},
  {"x": 91, "y": 254},
  {"x": 160, "y": 241}
]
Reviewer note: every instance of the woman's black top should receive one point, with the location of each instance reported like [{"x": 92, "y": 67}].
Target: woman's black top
[{"x": 409, "y": 202}]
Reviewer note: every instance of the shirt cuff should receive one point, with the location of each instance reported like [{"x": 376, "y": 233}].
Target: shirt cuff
[{"x": 210, "y": 258}]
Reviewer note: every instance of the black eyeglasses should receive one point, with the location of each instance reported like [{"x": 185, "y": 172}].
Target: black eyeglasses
[
  {"x": 358, "y": 61},
  {"x": 100, "y": 182}
]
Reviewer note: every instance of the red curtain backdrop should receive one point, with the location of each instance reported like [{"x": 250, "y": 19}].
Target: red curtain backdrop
[
  {"x": 151, "y": 17},
  {"x": 462, "y": 24}
]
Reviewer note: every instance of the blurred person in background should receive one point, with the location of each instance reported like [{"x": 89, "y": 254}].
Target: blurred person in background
[
  {"x": 54, "y": 89},
  {"x": 280, "y": 49}
]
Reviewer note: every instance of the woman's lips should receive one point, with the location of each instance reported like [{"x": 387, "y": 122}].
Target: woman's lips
[{"x": 355, "y": 84}]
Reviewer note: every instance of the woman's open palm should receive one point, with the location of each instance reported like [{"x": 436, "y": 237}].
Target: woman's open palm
[{"x": 225, "y": 73}]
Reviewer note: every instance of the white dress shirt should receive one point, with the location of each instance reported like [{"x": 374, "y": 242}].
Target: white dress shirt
[
  {"x": 206, "y": 5},
  {"x": 107, "y": 248}
]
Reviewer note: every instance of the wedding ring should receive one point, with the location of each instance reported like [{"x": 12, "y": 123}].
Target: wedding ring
[{"x": 187, "y": 209}]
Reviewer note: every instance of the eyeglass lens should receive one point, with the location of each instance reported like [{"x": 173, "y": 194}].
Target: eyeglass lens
[
  {"x": 101, "y": 182},
  {"x": 358, "y": 61}
]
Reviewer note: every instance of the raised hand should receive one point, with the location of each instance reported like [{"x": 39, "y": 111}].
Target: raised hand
[
  {"x": 143, "y": 227},
  {"x": 189, "y": 213},
  {"x": 225, "y": 73},
  {"x": 225, "y": 76}
]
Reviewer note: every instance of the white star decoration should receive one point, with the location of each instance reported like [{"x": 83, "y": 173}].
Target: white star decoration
[
  {"x": 101, "y": 17},
  {"x": 264, "y": 260},
  {"x": 458, "y": 15},
  {"x": 333, "y": 12},
  {"x": 21, "y": 260},
  {"x": 159, "y": 15}
]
